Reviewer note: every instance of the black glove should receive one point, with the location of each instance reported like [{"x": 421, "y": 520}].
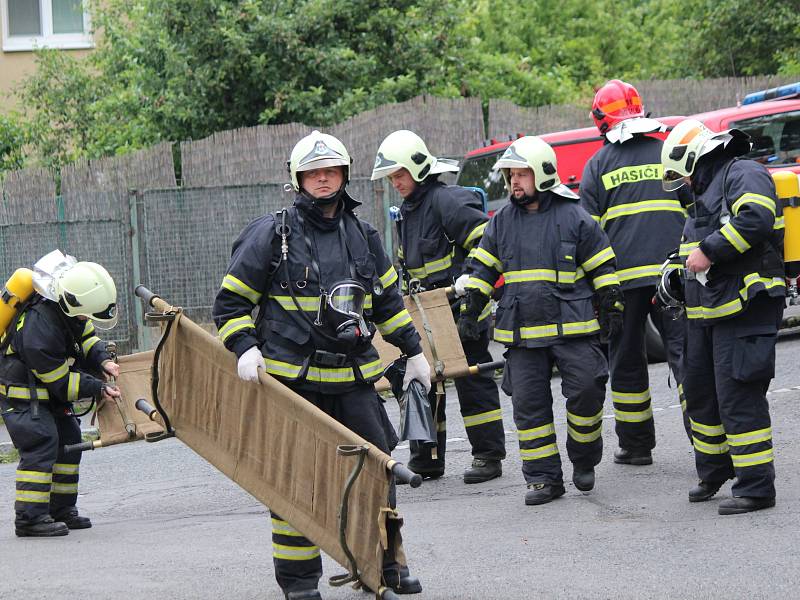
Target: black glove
[
  {"x": 468, "y": 328},
  {"x": 610, "y": 306}
]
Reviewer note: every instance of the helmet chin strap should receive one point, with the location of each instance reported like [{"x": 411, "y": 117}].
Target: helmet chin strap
[
  {"x": 325, "y": 200},
  {"x": 525, "y": 200}
]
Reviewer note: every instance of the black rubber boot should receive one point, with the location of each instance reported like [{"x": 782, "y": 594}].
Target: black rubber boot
[
  {"x": 304, "y": 595},
  {"x": 483, "y": 469},
  {"x": 629, "y": 457},
  {"x": 71, "y": 518},
  {"x": 401, "y": 582},
  {"x": 46, "y": 527},
  {"x": 744, "y": 504},
  {"x": 542, "y": 493},
  {"x": 704, "y": 490},
  {"x": 583, "y": 478}
]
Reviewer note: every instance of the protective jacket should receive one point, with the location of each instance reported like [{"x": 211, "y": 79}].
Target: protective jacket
[
  {"x": 321, "y": 252},
  {"x": 738, "y": 224},
  {"x": 440, "y": 225},
  {"x": 552, "y": 260},
  {"x": 37, "y": 359},
  {"x": 621, "y": 189}
]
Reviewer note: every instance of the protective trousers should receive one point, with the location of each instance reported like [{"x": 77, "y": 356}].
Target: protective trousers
[
  {"x": 728, "y": 369},
  {"x": 584, "y": 372},
  {"x": 47, "y": 477},
  {"x": 630, "y": 384},
  {"x": 298, "y": 565},
  {"x": 480, "y": 408}
]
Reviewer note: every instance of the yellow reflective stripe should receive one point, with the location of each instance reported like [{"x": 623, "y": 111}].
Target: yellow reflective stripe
[
  {"x": 88, "y": 328},
  {"x": 585, "y": 421},
  {"x": 537, "y": 453},
  {"x": 474, "y": 235},
  {"x": 630, "y": 397},
  {"x": 634, "y": 417},
  {"x": 393, "y": 324},
  {"x": 283, "y": 528},
  {"x": 53, "y": 375},
  {"x": 65, "y": 469},
  {"x": 429, "y": 268},
  {"x": 580, "y": 327},
  {"x": 89, "y": 343},
  {"x": 479, "y": 284},
  {"x": 237, "y": 286},
  {"x": 543, "y": 275},
  {"x": 330, "y": 374},
  {"x": 23, "y": 393},
  {"x": 389, "y": 277},
  {"x": 750, "y": 437},
  {"x": 734, "y": 238},
  {"x": 284, "y": 369},
  {"x": 539, "y": 331},
  {"x": 751, "y": 460},
  {"x": 503, "y": 335},
  {"x": 750, "y": 198},
  {"x": 294, "y": 552},
  {"x": 596, "y": 218},
  {"x": 637, "y": 208},
  {"x": 632, "y": 174},
  {"x": 487, "y": 310},
  {"x": 486, "y": 417},
  {"x": 31, "y": 496},
  {"x": 637, "y": 272},
  {"x": 526, "y": 435},
  {"x": 21, "y": 321},
  {"x": 488, "y": 259},
  {"x": 754, "y": 278},
  {"x": 34, "y": 477},
  {"x": 371, "y": 369},
  {"x": 702, "y": 312},
  {"x": 584, "y": 438},
  {"x": 687, "y": 247},
  {"x": 709, "y": 430},
  {"x": 602, "y": 281},
  {"x": 707, "y": 448},
  {"x": 598, "y": 259},
  {"x": 780, "y": 223},
  {"x": 73, "y": 387},
  {"x": 64, "y": 488},
  {"x": 307, "y": 303},
  {"x": 232, "y": 326}
]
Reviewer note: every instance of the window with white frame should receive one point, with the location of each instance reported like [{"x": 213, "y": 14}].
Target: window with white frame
[{"x": 30, "y": 24}]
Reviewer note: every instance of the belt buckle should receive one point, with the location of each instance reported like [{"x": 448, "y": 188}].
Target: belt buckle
[{"x": 323, "y": 358}]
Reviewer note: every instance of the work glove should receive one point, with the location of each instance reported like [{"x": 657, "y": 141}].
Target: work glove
[
  {"x": 417, "y": 367},
  {"x": 460, "y": 286},
  {"x": 249, "y": 364},
  {"x": 610, "y": 307},
  {"x": 468, "y": 328}
]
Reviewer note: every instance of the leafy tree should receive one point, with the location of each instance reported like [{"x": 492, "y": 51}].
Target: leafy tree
[{"x": 13, "y": 138}]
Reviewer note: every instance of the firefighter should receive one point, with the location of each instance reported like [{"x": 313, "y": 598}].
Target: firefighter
[
  {"x": 52, "y": 358},
  {"x": 621, "y": 189},
  {"x": 439, "y": 225},
  {"x": 734, "y": 292},
  {"x": 557, "y": 263},
  {"x": 317, "y": 305}
]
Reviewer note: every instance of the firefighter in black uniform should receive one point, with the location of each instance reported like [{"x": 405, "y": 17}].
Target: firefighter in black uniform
[
  {"x": 735, "y": 289},
  {"x": 51, "y": 359},
  {"x": 439, "y": 225},
  {"x": 621, "y": 189},
  {"x": 317, "y": 305},
  {"x": 557, "y": 263}
]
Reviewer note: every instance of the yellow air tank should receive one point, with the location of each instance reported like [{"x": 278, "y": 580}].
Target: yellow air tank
[
  {"x": 18, "y": 288},
  {"x": 787, "y": 185}
]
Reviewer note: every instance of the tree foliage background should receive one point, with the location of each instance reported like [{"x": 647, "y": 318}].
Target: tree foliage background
[{"x": 186, "y": 68}]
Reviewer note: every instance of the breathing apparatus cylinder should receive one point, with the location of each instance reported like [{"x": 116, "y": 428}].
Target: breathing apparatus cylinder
[
  {"x": 787, "y": 185},
  {"x": 18, "y": 288}
]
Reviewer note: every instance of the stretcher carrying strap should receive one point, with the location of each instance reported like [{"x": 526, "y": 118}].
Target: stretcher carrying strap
[{"x": 438, "y": 365}]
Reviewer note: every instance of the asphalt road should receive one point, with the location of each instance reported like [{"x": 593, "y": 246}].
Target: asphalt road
[{"x": 167, "y": 524}]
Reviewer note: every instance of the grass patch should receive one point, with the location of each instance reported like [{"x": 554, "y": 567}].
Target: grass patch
[{"x": 9, "y": 457}]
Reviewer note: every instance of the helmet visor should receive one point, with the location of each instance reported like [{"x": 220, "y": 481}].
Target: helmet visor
[
  {"x": 348, "y": 299},
  {"x": 672, "y": 180},
  {"x": 106, "y": 319}
]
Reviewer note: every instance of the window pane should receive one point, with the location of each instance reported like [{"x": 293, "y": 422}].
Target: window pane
[
  {"x": 24, "y": 18},
  {"x": 776, "y": 138},
  {"x": 67, "y": 16}
]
